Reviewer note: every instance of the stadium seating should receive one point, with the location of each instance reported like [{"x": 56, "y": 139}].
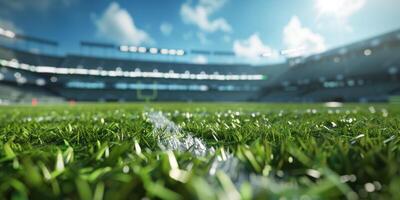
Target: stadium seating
[
  {"x": 24, "y": 69},
  {"x": 364, "y": 71}
]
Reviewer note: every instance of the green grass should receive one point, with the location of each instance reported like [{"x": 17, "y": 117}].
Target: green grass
[{"x": 111, "y": 151}]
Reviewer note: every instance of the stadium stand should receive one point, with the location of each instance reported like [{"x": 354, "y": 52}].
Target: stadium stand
[
  {"x": 84, "y": 78},
  {"x": 364, "y": 71}
]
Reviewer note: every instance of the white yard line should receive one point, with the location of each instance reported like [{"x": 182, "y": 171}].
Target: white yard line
[{"x": 172, "y": 138}]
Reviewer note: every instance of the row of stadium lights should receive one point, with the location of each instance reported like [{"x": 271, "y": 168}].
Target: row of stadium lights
[
  {"x": 153, "y": 50},
  {"x": 180, "y": 52},
  {"x": 7, "y": 33},
  {"x": 133, "y": 74},
  {"x": 163, "y": 51},
  {"x": 135, "y": 49},
  {"x": 173, "y": 52},
  {"x": 124, "y": 86}
]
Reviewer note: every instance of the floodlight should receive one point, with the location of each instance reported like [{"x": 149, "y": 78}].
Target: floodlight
[
  {"x": 367, "y": 52},
  {"x": 180, "y": 52},
  {"x": 133, "y": 49},
  {"x": 153, "y": 50},
  {"x": 124, "y": 48},
  {"x": 172, "y": 52},
  {"x": 142, "y": 49},
  {"x": 164, "y": 51},
  {"x": 7, "y": 33}
]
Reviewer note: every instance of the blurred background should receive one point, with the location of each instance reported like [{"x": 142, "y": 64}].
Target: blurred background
[{"x": 55, "y": 51}]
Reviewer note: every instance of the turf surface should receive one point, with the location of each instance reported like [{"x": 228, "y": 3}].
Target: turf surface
[{"x": 254, "y": 151}]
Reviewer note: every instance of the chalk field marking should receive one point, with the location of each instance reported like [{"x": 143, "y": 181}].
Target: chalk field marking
[{"x": 172, "y": 137}]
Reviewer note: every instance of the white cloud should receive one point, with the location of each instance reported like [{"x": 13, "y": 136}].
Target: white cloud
[
  {"x": 166, "y": 28},
  {"x": 117, "y": 25},
  {"x": 200, "y": 60},
  {"x": 300, "y": 40},
  {"x": 199, "y": 15},
  {"x": 335, "y": 13},
  {"x": 253, "y": 48},
  {"x": 338, "y": 8}
]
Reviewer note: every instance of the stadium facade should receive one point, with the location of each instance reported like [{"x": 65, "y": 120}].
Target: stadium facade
[{"x": 364, "y": 71}]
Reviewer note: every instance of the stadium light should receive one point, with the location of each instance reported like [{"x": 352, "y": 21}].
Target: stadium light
[
  {"x": 124, "y": 48},
  {"x": 153, "y": 50},
  {"x": 180, "y": 52},
  {"x": 7, "y": 33},
  {"x": 133, "y": 49},
  {"x": 172, "y": 52},
  {"x": 53, "y": 79},
  {"x": 40, "y": 82},
  {"x": 164, "y": 51},
  {"x": 132, "y": 74},
  {"x": 142, "y": 49},
  {"x": 367, "y": 52}
]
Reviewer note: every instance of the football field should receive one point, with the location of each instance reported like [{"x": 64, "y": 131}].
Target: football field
[{"x": 200, "y": 151}]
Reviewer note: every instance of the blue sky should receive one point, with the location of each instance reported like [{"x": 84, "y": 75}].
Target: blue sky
[{"x": 249, "y": 28}]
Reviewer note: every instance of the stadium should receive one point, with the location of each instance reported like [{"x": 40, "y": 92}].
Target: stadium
[
  {"x": 135, "y": 112},
  {"x": 366, "y": 71}
]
